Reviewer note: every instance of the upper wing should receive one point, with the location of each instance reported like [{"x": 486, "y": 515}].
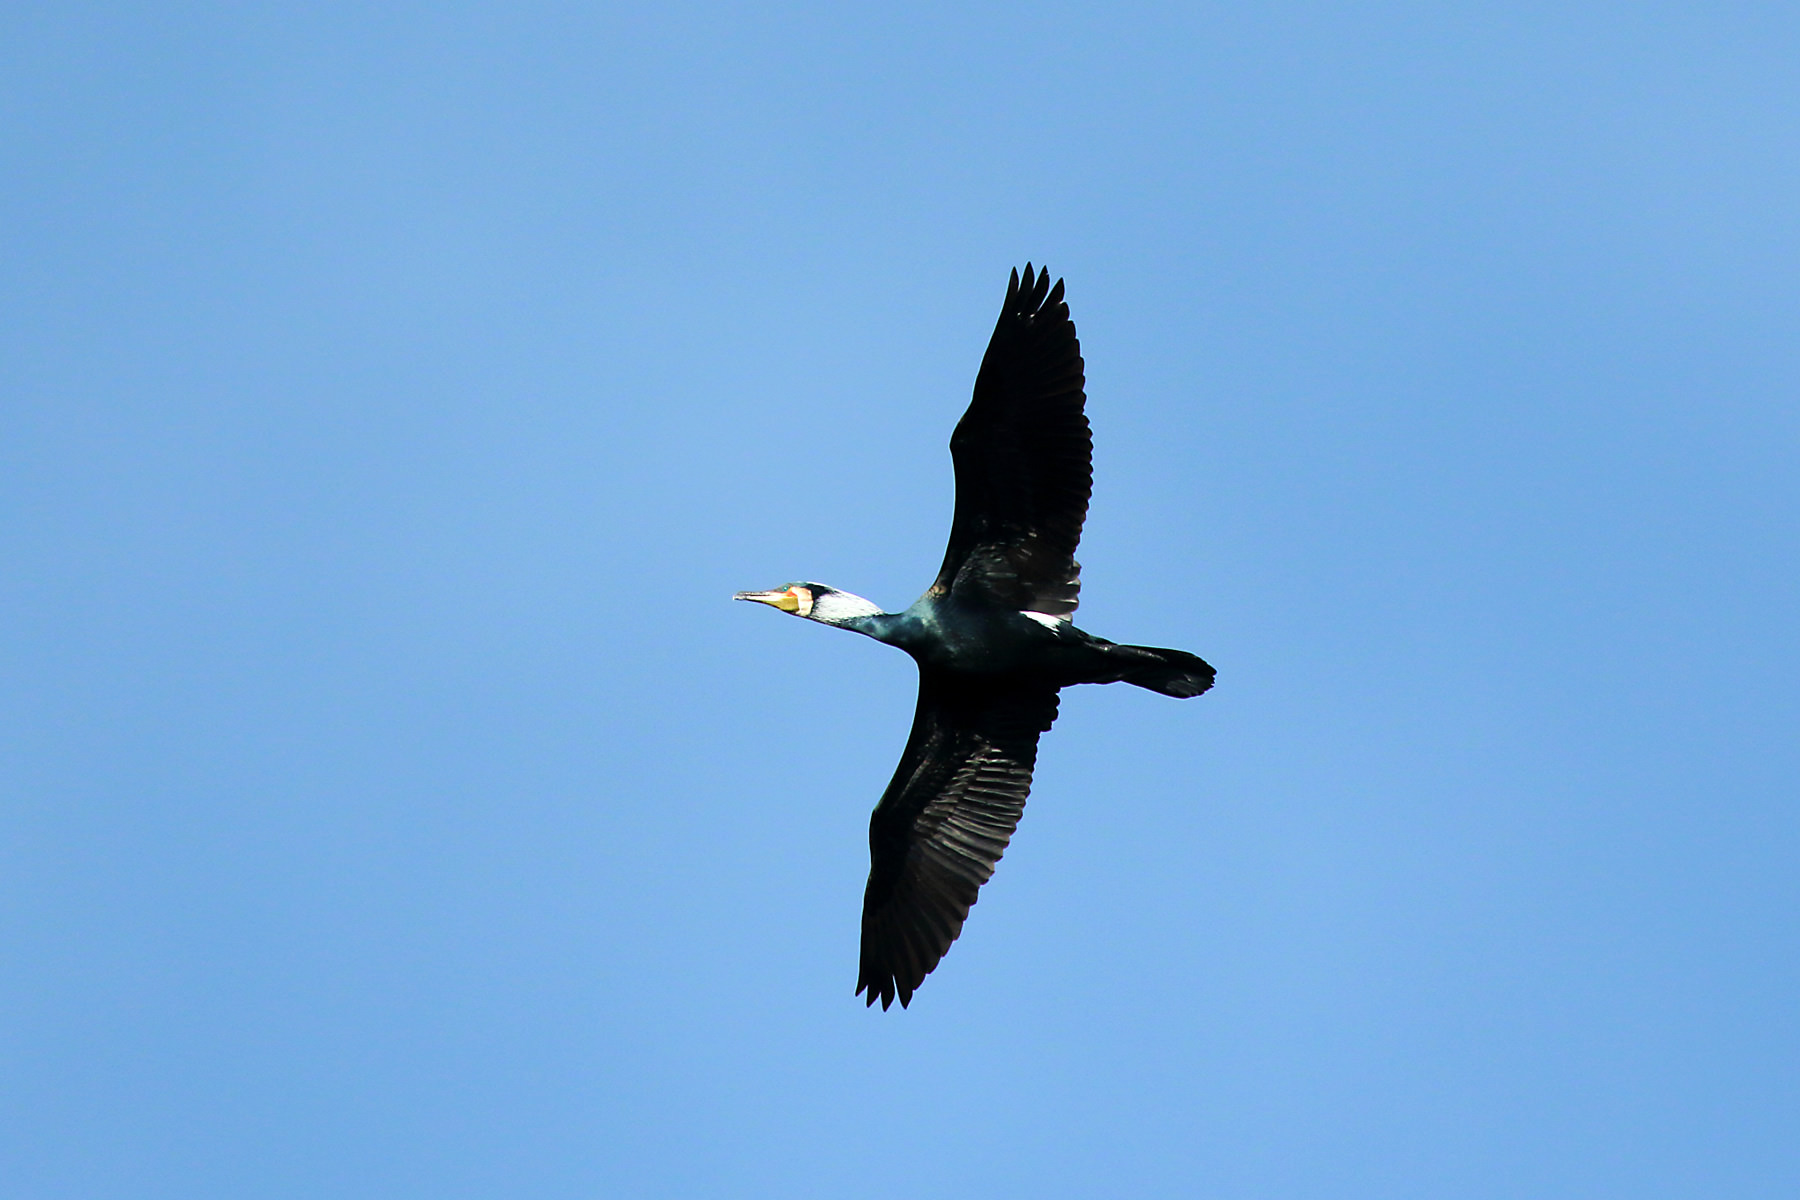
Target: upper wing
[
  {"x": 943, "y": 823},
  {"x": 1024, "y": 460}
]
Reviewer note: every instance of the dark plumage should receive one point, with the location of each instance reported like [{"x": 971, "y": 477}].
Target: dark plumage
[{"x": 993, "y": 641}]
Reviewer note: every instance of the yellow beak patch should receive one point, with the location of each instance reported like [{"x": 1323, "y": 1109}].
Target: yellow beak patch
[{"x": 796, "y": 600}]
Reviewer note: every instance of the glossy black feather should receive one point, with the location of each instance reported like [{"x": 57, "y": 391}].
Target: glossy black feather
[
  {"x": 944, "y": 821},
  {"x": 1023, "y": 455}
]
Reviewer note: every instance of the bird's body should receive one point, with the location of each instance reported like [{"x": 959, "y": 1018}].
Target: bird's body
[
  {"x": 993, "y": 640},
  {"x": 970, "y": 639}
]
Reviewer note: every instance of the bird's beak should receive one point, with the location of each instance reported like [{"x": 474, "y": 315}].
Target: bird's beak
[{"x": 784, "y": 599}]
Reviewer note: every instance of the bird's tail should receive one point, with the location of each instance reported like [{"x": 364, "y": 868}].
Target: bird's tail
[{"x": 1171, "y": 672}]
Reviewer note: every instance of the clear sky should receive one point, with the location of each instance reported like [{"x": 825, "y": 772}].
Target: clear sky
[{"x": 394, "y": 804}]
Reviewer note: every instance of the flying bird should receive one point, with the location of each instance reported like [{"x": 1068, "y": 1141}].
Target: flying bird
[{"x": 993, "y": 639}]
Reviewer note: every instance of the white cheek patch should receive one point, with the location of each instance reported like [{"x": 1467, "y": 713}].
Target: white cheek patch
[
  {"x": 837, "y": 607},
  {"x": 1046, "y": 620},
  {"x": 803, "y": 601}
]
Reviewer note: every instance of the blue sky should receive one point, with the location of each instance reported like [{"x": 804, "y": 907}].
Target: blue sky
[{"x": 392, "y": 803}]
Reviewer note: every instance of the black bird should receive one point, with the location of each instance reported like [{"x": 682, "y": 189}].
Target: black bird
[{"x": 993, "y": 640}]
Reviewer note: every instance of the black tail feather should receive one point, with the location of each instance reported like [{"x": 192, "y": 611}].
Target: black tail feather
[{"x": 1171, "y": 672}]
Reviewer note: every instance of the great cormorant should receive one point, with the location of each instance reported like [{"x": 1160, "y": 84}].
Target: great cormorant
[{"x": 993, "y": 639}]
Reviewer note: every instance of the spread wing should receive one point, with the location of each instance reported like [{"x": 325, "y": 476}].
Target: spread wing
[
  {"x": 944, "y": 822},
  {"x": 1024, "y": 456}
]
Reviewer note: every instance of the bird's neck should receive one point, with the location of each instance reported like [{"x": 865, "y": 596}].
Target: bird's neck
[
  {"x": 882, "y": 626},
  {"x": 847, "y": 611}
]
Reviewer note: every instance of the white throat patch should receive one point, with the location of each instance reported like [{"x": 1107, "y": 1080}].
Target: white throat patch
[{"x": 832, "y": 607}]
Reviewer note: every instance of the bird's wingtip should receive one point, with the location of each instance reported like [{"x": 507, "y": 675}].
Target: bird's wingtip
[{"x": 884, "y": 992}]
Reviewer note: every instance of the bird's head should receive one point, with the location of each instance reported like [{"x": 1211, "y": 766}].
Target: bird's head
[
  {"x": 815, "y": 602},
  {"x": 796, "y": 598}
]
